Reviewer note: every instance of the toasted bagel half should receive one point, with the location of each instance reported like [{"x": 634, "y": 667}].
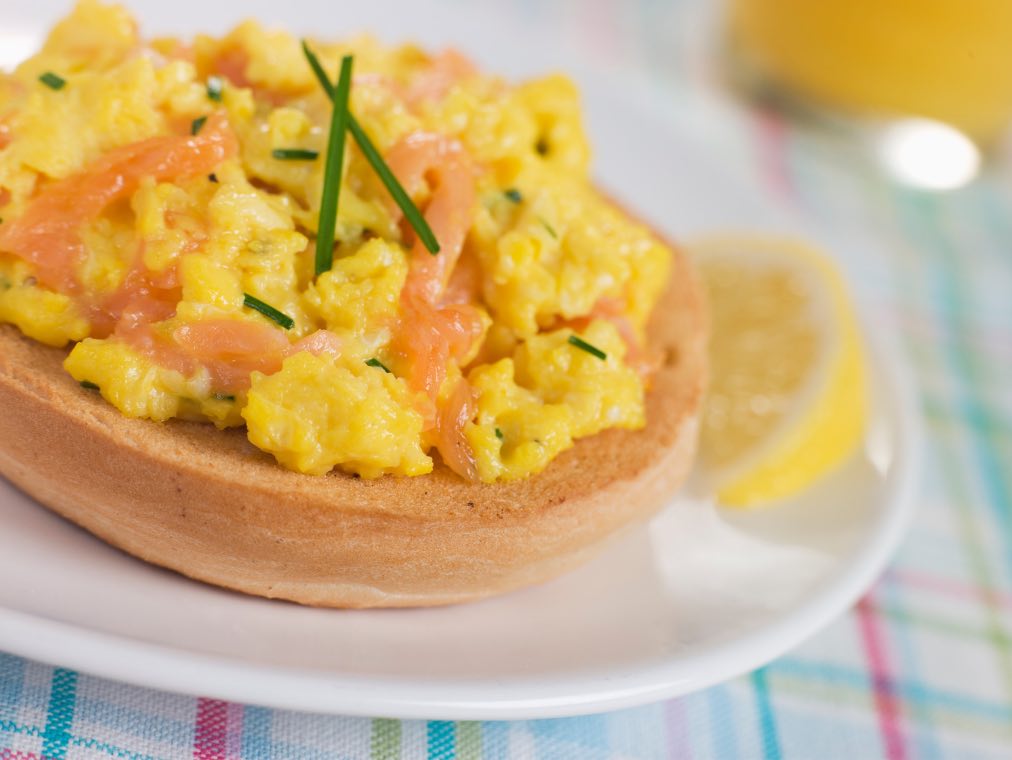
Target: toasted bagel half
[{"x": 209, "y": 505}]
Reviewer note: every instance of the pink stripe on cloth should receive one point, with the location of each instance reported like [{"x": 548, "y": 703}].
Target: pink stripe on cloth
[
  {"x": 599, "y": 30},
  {"x": 211, "y": 732},
  {"x": 773, "y": 153},
  {"x": 13, "y": 754},
  {"x": 949, "y": 587},
  {"x": 233, "y": 732},
  {"x": 886, "y": 703},
  {"x": 678, "y": 730}
]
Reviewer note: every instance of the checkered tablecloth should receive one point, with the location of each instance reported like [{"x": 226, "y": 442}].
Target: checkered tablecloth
[{"x": 921, "y": 668}]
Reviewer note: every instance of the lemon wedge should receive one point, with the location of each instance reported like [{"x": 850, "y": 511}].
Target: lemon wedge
[{"x": 787, "y": 400}]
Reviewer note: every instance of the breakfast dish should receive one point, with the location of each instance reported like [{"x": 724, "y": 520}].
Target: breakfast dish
[
  {"x": 367, "y": 339},
  {"x": 672, "y": 606}
]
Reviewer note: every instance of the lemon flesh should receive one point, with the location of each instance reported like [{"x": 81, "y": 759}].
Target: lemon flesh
[{"x": 787, "y": 400}]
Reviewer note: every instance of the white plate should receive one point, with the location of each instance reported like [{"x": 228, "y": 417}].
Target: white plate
[{"x": 693, "y": 598}]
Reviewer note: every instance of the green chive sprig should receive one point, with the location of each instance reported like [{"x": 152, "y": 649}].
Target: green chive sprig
[
  {"x": 513, "y": 195},
  {"x": 268, "y": 311},
  {"x": 390, "y": 181},
  {"x": 295, "y": 154},
  {"x": 317, "y": 67},
  {"x": 374, "y": 362},
  {"x": 333, "y": 169},
  {"x": 576, "y": 340},
  {"x": 53, "y": 81},
  {"x": 89, "y": 386},
  {"x": 498, "y": 434},
  {"x": 197, "y": 124},
  {"x": 394, "y": 187}
]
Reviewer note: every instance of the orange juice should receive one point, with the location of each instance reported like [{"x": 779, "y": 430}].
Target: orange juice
[{"x": 943, "y": 59}]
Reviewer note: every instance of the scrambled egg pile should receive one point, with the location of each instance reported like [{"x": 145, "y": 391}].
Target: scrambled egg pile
[{"x": 153, "y": 194}]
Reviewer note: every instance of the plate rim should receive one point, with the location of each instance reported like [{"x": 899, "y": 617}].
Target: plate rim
[{"x": 181, "y": 671}]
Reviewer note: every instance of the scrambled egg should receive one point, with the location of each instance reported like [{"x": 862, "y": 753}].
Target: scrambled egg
[{"x": 191, "y": 293}]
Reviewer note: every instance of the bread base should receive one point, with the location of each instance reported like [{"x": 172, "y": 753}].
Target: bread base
[{"x": 211, "y": 506}]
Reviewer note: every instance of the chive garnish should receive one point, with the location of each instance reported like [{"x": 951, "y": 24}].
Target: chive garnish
[
  {"x": 390, "y": 181},
  {"x": 53, "y": 81},
  {"x": 550, "y": 228},
  {"x": 394, "y": 187},
  {"x": 88, "y": 385},
  {"x": 334, "y": 169},
  {"x": 576, "y": 340},
  {"x": 295, "y": 154},
  {"x": 268, "y": 311},
  {"x": 223, "y": 397},
  {"x": 374, "y": 362},
  {"x": 197, "y": 124},
  {"x": 514, "y": 195},
  {"x": 498, "y": 434},
  {"x": 317, "y": 67},
  {"x": 214, "y": 88}
]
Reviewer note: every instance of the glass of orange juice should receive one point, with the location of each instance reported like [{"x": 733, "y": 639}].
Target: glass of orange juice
[{"x": 947, "y": 60}]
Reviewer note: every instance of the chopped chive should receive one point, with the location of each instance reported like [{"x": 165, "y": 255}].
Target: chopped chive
[
  {"x": 213, "y": 177},
  {"x": 394, "y": 187},
  {"x": 268, "y": 311},
  {"x": 88, "y": 385},
  {"x": 317, "y": 67},
  {"x": 514, "y": 195},
  {"x": 197, "y": 124},
  {"x": 333, "y": 170},
  {"x": 223, "y": 397},
  {"x": 295, "y": 154},
  {"x": 390, "y": 181},
  {"x": 53, "y": 81},
  {"x": 498, "y": 434},
  {"x": 214, "y": 88},
  {"x": 374, "y": 362},
  {"x": 550, "y": 228},
  {"x": 576, "y": 340}
]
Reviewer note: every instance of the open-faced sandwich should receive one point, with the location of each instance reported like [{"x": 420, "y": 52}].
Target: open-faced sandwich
[{"x": 344, "y": 324}]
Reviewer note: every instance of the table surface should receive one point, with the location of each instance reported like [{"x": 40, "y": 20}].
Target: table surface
[{"x": 920, "y": 668}]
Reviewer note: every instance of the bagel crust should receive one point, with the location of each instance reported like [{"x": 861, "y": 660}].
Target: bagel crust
[{"x": 209, "y": 505}]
